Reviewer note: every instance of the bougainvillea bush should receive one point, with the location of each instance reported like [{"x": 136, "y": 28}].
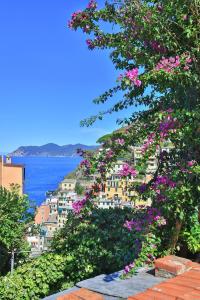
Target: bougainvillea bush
[
  {"x": 155, "y": 48},
  {"x": 101, "y": 239}
]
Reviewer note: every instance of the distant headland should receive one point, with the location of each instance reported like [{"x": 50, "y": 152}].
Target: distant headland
[{"x": 51, "y": 150}]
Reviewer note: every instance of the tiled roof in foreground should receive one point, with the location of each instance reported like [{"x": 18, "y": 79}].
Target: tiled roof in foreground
[{"x": 142, "y": 286}]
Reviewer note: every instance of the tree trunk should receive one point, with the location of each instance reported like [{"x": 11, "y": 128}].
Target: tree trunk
[{"x": 175, "y": 235}]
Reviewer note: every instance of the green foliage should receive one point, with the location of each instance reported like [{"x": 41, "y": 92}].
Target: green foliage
[
  {"x": 34, "y": 279},
  {"x": 97, "y": 244},
  {"x": 79, "y": 189},
  {"x": 104, "y": 138},
  {"x": 13, "y": 219},
  {"x": 99, "y": 240},
  {"x": 155, "y": 44},
  {"x": 191, "y": 235}
]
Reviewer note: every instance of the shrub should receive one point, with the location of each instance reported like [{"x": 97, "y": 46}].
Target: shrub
[
  {"x": 98, "y": 240},
  {"x": 35, "y": 279}
]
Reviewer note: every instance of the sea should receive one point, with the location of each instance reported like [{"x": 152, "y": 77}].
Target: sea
[{"x": 44, "y": 174}]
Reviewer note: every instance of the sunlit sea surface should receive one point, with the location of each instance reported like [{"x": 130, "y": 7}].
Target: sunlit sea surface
[{"x": 43, "y": 174}]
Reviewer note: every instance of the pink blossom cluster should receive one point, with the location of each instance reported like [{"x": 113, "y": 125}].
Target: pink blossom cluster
[
  {"x": 133, "y": 76},
  {"x": 187, "y": 168},
  {"x": 168, "y": 124},
  {"x": 90, "y": 44},
  {"x": 128, "y": 268},
  {"x": 85, "y": 163},
  {"x": 156, "y": 46},
  {"x": 109, "y": 154},
  {"x": 78, "y": 205},
  {"x": 162, "y": 180},
  {"x": 169, "y": 64},
  {"x": 161, "y": 198},
  {"x": 102, "y": 167},
  {"x": 161, "y": 221},
  {"x": 74, "y": 17},
  {"x": 160, "y": 7},
  {"x": 121, "y": 142},
  {"x": 92, "y": 4},
  {"x": 148, "y": 142},
  {"x": 127, "y": 170},
  {"x": 152, "y": 216},
  {"x": 137, "y": 225},
  {"x": 79, "y": 17},
  {"x": 191, "y": 163}
]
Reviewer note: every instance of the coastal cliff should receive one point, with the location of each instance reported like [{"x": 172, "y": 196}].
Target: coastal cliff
[{"x": 51, "y": 150}]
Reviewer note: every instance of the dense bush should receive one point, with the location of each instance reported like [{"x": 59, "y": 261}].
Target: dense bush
[
  {"x": 34, "y": 279},
  {"x": 98, "y": 240},
  {"x": 99, "y": 243},
  {"x": 13, "y": 216},
  {"x": 154, "y": 47}
]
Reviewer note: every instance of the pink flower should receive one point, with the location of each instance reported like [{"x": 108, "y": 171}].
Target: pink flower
[
  {"x": 78, "y": 205},
  {"x": 127, "y": 170},
  {"x": 188, "y": 60},
  {"x": 128, "y": 268},
  {"x": 109, "y": 154},
  {"x": 168, "y": 64},
  {"x": 191, "y": 163},
  {"x": 90, "y": 44},
  {"x": 129, "y": 225},
  {"x": 120, "y": 142},
  {"x": 138, "y": 82},
  {"x": 92, "y": 4},
  {"x": 148, "y": 142},
  {"x": 133, "y": 76}
]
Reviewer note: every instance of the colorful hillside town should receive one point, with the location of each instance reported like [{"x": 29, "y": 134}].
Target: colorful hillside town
[{"x": 52, "y": 214}]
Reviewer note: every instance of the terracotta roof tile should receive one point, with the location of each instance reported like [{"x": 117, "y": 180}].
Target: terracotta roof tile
[
  {"x": 185, "y": 286},
  {"x": 152, "y": 295},
  {"x": 86, "y": 294},
  {"x": 171, "y": 289},
  {"x": 191, "y": 274},
  {"x": 194, "y": 295},
  {"x": 82, "y": 294},
  {"x": 184, "y": 281},
  {"x": 68, "y": 297}
]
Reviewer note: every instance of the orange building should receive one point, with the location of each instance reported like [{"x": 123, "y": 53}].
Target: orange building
[
  {"x": 42, "y": 214},
  {"x": 11, "y": 174}
]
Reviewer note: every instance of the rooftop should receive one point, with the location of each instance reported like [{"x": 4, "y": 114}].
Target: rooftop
[{"x": 142, "y": 286}]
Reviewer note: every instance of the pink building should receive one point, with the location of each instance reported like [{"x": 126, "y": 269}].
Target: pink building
[
  {"x": 42, "y": 214},
  {"x": 11, "y": 174}
]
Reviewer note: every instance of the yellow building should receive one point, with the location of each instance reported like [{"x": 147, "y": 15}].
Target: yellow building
[
  {"x": 11, "y": 174},
  {"x": 68, "y": 184},
  {"x": 118, "y": 188}
]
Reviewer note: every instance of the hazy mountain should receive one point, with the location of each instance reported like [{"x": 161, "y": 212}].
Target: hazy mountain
[{"x": 51, "y": 150}]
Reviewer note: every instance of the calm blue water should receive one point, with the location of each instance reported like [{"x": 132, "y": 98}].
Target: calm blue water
[{"x": 45, "y": 173}]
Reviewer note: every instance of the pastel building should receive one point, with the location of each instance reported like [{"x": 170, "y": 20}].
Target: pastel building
[
  {"x": 11, "y": 174},
  {"x": 42, "y": 214},
  {"x": 68, "y": 184}
]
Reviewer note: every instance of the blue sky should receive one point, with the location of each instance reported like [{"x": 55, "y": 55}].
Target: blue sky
[{"x": 48, "y": 77}]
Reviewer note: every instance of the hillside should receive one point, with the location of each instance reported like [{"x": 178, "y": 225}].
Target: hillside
[{"x": 51, "y": 150}]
